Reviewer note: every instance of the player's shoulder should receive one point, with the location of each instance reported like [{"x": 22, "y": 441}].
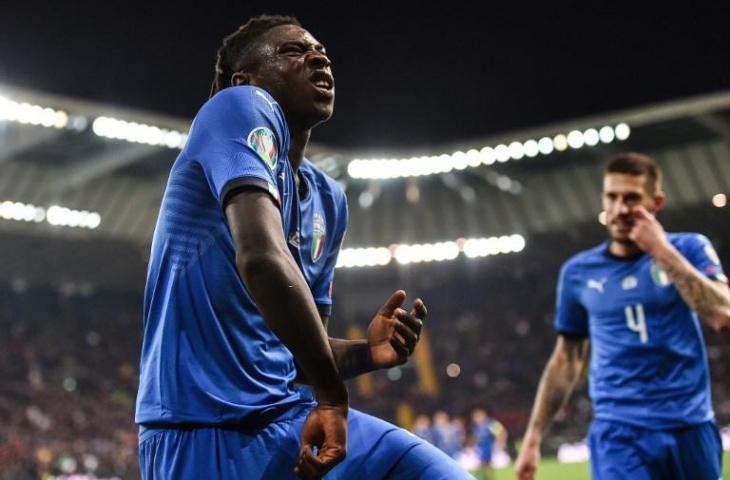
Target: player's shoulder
[
  {"x": 585, "y": 257},
  {"x": 683, "y": 240},
  {"x": 240, "y": 101}
]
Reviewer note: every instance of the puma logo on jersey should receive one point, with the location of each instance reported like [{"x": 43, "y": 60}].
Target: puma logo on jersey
[
  {"x": 271, "y": 104},
  {"x": 597, "y": 284}
]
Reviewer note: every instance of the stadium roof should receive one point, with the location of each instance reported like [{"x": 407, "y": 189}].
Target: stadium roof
[{"x": 88, "y": 158}]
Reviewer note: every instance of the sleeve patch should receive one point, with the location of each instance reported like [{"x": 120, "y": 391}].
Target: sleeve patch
[{"x": 263, "y": 142}]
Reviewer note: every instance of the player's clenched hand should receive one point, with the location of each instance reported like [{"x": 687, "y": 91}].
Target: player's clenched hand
[
  {"x": 527, "y": 463},
  {"x": 647, "y": 232},
  {"x": 393, "y": 333},
  {"x": 326, "y": 429}
]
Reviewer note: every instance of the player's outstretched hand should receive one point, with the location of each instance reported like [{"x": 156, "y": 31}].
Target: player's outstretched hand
[
  {"x": 326, "y": 429},
  {"x": 527, "y": 463},
  {"x": 393, "y": 332}
]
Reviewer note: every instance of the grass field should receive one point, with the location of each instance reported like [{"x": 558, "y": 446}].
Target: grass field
[{"x": 550, "y": 469}]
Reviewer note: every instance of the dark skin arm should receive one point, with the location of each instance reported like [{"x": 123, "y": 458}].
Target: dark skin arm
[
  {"x": 392, "y": 337},
  {"x": 566, "y": 367},
  {"x": 275, "y": 282}
]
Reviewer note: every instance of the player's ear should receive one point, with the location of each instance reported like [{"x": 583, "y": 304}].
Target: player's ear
[
  {"x": 240, "y": 78},
  {"x": 660, "y": 200}
]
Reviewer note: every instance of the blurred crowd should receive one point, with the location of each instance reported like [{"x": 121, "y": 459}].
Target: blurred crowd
[{"x": 69, "y": 358}]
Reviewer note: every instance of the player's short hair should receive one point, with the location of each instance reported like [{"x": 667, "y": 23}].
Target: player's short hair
[
  {"x": 237, "y": 50},
  {"x": 636, "y": 164}
]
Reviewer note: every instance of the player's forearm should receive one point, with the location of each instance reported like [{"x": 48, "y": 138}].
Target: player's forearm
[
  {"x": 352, "y": 357},
  {"x": 710, "y": 299},
  {"x": 562, "y": 373},
  {"x": 283, "y": 297}
]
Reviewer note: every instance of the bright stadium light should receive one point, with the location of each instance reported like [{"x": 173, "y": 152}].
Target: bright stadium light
[
  {"x": 560, "y": 142},
  {"x": 531, "y": 148},
  {"x": 545, "y": 145},
  {"x": 606, "y": 134},
  {"x": 575, "y": 139},
  {"x": 591, "y": 137},
  {"x": 719, "y": 200},
  {"x": 134, "y": 132},
  {"x": 28, "y": 114},
  {"x": 405, "y": 254},
  {"x": 384, "y": 168},
  {"x": 622, "y": 131},
  {"x": 55, "y": 215}
]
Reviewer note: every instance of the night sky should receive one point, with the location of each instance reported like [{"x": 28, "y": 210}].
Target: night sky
[{"x": 405, "y": 76}]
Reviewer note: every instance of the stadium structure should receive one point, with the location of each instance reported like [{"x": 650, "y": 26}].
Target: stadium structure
[{"x": 478, "y": 227}]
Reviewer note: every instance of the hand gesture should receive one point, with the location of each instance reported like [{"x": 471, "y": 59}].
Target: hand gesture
[
  {"x": 393, "y": 333},
  {"x": 325, "y": 428},
  {"x": 647, "y": 232}
]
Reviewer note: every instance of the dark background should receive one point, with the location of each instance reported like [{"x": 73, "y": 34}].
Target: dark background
[{"x": 406, "y": 75}]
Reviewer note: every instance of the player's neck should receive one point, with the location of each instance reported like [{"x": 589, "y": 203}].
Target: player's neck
[
  {"x": 299, "y": 140},
  {"x": 622, "y": 249}
]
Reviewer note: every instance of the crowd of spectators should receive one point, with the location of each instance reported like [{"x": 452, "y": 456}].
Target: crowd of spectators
[{"x": 69, "y": 361}]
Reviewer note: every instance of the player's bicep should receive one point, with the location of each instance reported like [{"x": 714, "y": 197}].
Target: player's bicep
[{"x": 255, "y": 224}]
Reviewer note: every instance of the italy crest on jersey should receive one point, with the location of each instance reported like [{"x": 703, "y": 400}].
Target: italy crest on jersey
[
  {"x": 263, "y": 141},
  {"x": 319, "y": 234},
  {"x": 659, "y": 276}
]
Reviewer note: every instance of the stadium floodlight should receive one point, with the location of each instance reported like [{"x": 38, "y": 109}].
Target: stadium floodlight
[
  {"x": 591, "y": 137},
  {"x": 488, "y": 156},
  {"x": 405, "y": 254},
  {"x": 622, "y": 131},
  {"x": 532, "y": 148},
  {"x": 575, "y": 139},
  {"x": 719, "y": 200},
  {"x": 606, "y": 134},
  {"x": 54, "y": 215},
  {"x": 384, "y": 168},
  {"x": 134, "y": 132},
  {"x": 28, "y": 114},
  {"x": 560, "y": 142},
  {"x": 472, "y": 158},
  {"x": 516, "y": 150},
  {"x": 502, "y": 153}
]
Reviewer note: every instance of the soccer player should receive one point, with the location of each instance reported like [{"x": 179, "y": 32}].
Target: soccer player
[
  {"x": 239, "y": 286},
  {"x": 637, "y": 298},
  {"x": 491, "y": 436}
]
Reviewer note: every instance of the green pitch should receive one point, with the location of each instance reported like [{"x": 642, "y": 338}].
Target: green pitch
[{"x": 550, "y": 469}]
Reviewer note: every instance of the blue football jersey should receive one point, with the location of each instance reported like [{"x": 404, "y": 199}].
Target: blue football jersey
[
  {"x": 208, "y": 356},
  {"x": 648, "y": 360}
]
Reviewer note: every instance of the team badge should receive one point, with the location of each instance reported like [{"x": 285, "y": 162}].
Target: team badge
[
  {"x": 659, "y": 276},
  {"x": 319, "y": 234},
  {"x": 629, "y": 282},
  {"x": 263, "y": 141}
]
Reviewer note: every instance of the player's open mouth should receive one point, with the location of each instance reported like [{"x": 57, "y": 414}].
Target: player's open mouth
[{"x": 323, "y": 83}]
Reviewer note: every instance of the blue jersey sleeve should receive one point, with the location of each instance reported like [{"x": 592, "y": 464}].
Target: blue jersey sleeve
[
  {"x": 238, "y": 138},
  {"x": 571, "y": 317},
  {"x": 322, "y": 288},
  {"x": 698, "y": 250}
]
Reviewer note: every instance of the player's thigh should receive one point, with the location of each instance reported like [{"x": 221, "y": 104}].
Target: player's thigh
[
  {"x": 377, "y": 449},
  {"x": 698, "y": 452},
  {"x": 221, "y": 453},
  {"x": 622, "y": 452}
]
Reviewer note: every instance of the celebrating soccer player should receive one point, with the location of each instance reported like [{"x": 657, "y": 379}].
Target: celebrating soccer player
[
  {"x": 238, "y": 291},
  {"x": 637, "y": 298}
]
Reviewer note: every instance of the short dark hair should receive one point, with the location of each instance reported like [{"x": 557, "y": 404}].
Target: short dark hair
[
  {"x": 236, "y": 51},
  {"x": 632, "y": 163}
]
